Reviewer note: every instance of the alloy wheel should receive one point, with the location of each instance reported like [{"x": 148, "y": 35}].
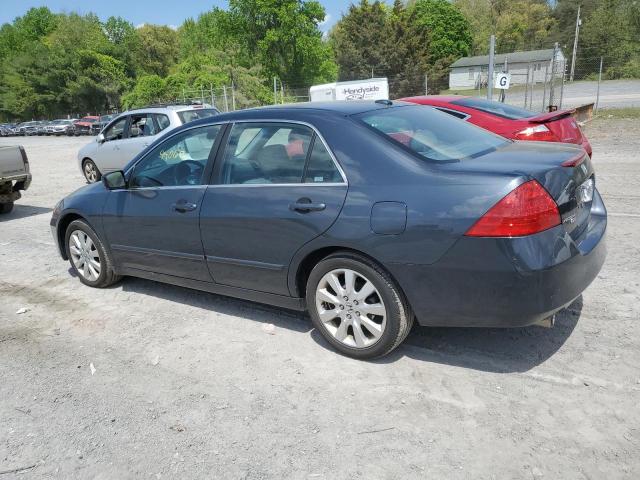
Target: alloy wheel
[
  {"x": 90, "y": 171},
  {"x": 351, "y": 308},
  {"x": 84, "y": 255}
]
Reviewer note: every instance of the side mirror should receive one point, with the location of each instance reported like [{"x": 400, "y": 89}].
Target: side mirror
[
  {"x": 100, "y": 138},
  {"x": 114, "y": 180}
]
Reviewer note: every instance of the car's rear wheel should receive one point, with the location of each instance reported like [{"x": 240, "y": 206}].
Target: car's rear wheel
[
  {"x": 90, "y": 170},
  {"x": 88, "y": 257},
  {"x": 6, "y": 207},
  {"x": 356, "y": 306}
]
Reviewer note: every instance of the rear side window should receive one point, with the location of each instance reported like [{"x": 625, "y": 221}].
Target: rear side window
[
  {"x": 321, "y": 167},
  {"x": 187, "y": 116},
  {"x": 266, "y": 154},
  {"x": 431, "y": 134},
  {"x": 495, "y": 108},
  {"x": 162, "y": 121}
]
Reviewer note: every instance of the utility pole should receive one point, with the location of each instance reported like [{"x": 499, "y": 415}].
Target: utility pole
[
  {"x": 553, "y": 75},
  {"x": 599, "y": 80},
  {"x": 492, "y": 52},
  {"x": 505, "y": 69},
  {"x": 275, "y": 90},
  {"x": 426, "y": 84},
  {"x": 575, "y": 44}
]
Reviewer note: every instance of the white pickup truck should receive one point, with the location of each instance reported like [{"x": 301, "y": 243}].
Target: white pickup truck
[{"x": 14, "y": 176}]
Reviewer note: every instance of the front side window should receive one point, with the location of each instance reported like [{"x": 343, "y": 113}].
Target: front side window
[
  {"x": 431, "y": 134},
  {"x": 266, "y": 153},
  {"x": 115, "y": 130},
  {"x": 180, "y": 160}
]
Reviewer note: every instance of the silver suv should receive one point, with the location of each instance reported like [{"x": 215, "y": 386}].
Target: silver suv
[{"x": 131, "y": 132}]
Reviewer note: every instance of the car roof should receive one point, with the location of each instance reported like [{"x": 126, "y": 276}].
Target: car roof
[
  {"x": 175, "y": 108},
  {"x": 294, "y": 111}
]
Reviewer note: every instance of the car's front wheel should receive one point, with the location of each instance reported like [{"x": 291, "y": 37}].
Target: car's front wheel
[
  {"x": 88, "y": 257},
  {"x": 90, "y": 170},
  {"x": 356, "y": 306}
]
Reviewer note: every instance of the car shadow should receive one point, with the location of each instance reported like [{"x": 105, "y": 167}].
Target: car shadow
[
  {"x": 496, "y": 350},
  {"x": 257, "y": 312},
  {"x": 22, "y": 211}
]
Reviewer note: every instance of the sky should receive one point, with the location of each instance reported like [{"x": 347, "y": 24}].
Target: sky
[{"x": 138, "y": 12}]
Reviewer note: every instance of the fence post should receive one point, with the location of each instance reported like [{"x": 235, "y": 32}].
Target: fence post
[
  {"x": 598, "y": 92},
  {"x": 564, "y": 72},
  {"x": 553, "y": 74},
  {"x": 492, "y": 49},
  {"x": 233, "y": 96},
  {"x": 213, "y": 101},
  {"x": 226, "y": 101},
  {"x": 426, "y": 84},
  {"x": 202, "y": 94},
  {"x": 281, "y": 92},
  {"x": 544, "y": 93},
  {"x": 526, "y": 87},
  {"x": 275, "y": 90}
]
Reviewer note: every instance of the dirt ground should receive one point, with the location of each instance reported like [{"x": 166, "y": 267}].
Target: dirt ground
[{"x": 145, "y": 380}]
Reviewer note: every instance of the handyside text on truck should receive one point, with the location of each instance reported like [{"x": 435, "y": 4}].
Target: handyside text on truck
[{"x": 371, "y": 89}]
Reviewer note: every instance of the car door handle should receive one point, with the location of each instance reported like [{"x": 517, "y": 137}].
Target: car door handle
[
  {"x": 183, "y": 207},
  {"x": 304, "y": 205}
]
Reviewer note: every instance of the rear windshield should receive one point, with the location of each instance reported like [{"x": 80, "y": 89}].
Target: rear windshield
[
  {"x": 432, "y": 134},
  {"x": 496, "y": 108},
  {"x": 187, "y": 116}
]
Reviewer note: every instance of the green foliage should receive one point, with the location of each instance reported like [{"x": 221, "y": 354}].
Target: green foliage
[{"x": 402, "y": 43}]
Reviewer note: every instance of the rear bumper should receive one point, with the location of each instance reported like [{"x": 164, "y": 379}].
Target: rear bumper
[{"x": 485, "y": 282}]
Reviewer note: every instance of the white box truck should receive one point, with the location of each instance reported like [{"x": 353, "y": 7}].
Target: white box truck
[{"x": 371, "y": 89}]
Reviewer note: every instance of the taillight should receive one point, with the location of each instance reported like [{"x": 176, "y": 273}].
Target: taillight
[
  {"x": 538, "y": 133},
  {"x": 526, "y": 210}
]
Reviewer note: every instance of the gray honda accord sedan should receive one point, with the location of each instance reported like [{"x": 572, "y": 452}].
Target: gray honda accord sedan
[{"x": 369, "y": 215}]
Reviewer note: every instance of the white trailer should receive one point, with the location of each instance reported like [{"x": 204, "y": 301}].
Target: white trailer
[{"x": 371, "y": 89}]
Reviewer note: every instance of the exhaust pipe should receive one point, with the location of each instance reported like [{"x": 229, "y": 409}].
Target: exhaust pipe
[{"x": 548, "y": 322}]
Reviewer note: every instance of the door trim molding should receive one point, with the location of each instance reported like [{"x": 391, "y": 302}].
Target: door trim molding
[
  {"x": 152, "y": 251},
  {"x": 245, "y": 263}
]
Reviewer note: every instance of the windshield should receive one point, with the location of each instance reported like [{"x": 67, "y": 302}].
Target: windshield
[
  {"x": 496, "y": 108},
  {"x": 432, "y": 134},
  {"x": 187, "y": 116}
]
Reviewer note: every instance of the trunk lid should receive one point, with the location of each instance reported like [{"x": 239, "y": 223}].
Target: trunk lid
[{"x": 543, "y": 162}]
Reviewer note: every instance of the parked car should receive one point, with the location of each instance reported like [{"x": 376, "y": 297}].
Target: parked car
[
  {"x": 15, "y": 176},
  {"x": 26, "y": 128},
  {"x": 102, "y": 122},
  {"x": 509, "y": 121},
  {"x": 368, "y": 214},
  {"x": 83, "y": 126},
  {"x": 6, "y": 129},
  {"x": 130, "y": 133},
  {"x": 61, "y": 127},
  {"x": 41, "y": 129}
]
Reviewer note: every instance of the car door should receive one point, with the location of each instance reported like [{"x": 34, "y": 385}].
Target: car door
[
  {"x": 107, "y": 155},
  {"x": 275, "y": 187},
  {"x": 153, "y": 224}
]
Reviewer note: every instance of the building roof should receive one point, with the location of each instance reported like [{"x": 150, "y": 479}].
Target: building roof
[{"x": 515, "y": 57}]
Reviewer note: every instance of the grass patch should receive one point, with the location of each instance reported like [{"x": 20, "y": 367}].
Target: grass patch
[{"x": 630, "y": 112}]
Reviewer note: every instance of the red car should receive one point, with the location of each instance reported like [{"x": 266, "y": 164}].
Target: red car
[
  {"x": 83, "y": 126},
  {"x": 509, "y": 121}
]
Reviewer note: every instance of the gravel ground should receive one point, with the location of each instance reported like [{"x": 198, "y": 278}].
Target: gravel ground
[{"x": 145, "y": 380}]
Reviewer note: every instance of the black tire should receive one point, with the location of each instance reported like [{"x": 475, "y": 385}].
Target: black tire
[
  {"x": 399, "y": 316},
  {"x": 6, "y": 207},
  {"x": 86, "y": 163},
  {"x": 107, "y": 275}
]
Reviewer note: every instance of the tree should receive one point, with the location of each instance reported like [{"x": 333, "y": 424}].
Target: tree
[
  {"x": 156, "y": 50},
  {"x": 286, "y": 38}
]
